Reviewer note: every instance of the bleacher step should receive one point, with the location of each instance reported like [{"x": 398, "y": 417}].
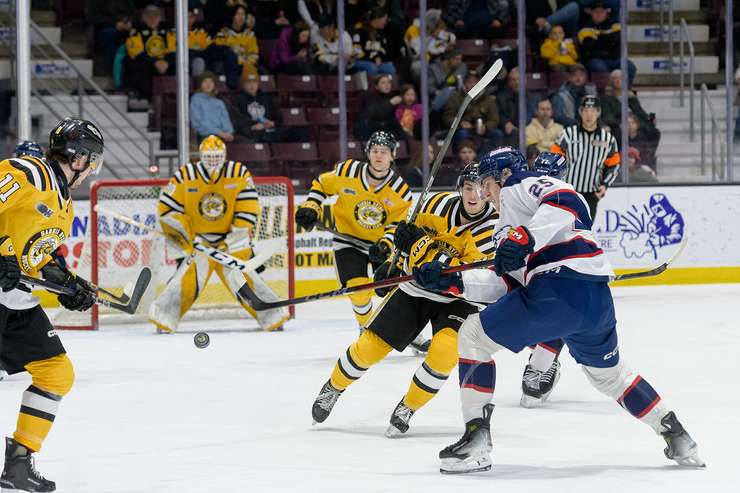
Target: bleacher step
[
  {"x": 653, "y": 17},
  {"x": 673, "y": 80},
  {"x": 651, "y": 33},
  {"x": 44, "y": 17},
  {"x": 653, "y": 5},
  {"x": 51, "y": 69},
  {"x": 660, "y": 64},
  {"x": 661, "y": 48}
]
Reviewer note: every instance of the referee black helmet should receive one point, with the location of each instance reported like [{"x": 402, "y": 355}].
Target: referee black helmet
[{"x": 590, "y": 101}]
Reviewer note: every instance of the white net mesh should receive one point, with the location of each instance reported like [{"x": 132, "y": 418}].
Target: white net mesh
[{"x": 122, "y": 250}]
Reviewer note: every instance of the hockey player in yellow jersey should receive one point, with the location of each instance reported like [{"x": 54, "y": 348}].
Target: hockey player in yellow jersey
[
  {"x": 216, "y": 202},
  {"x": 371, "y": 200},
  {"x": 452, "y": 228},
  {"x": 35, "y": 218}
]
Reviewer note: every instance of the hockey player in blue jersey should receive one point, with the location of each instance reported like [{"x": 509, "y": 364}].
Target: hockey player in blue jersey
[{"x": 550, "y": 282}]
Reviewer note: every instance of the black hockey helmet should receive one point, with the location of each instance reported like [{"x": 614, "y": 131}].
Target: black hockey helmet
[
  {"x": 590, "y": 101},
  {"x": 468, "y": 173},
  {"x": 382, "y": 138},
  {"x": 73, "y": 138}
]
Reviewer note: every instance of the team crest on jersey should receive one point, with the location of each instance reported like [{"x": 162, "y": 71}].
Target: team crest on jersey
[
  {"x": 212, "y": 207},
  {"x": 448, "y": 249},
  {"x": 40, "y": 246},
  {"x": 370, "y": 214},
  {"x": 155, "y": 46}
]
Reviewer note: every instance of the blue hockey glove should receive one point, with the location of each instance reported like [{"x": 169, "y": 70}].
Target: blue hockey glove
[
  {"x": 512, "y": 251},
  {"x": 429, "y": 276}
]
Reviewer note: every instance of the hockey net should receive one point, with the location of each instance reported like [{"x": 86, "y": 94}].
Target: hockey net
[{"x": 114, "y": 252}]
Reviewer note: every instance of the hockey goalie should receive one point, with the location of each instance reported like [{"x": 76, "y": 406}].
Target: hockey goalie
[{"x": 215, "y": 202}]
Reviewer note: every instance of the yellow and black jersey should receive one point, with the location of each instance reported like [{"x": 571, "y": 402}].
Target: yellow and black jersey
[
  {"x": 243, "y": 43},
  {"x": 447, "y": 239},
  {"x": 193, "y": 202},
  {"x": 154, "y": 43},
  {"x": 198, "y": 38},
  {"x": 361, "y": 211},
  {"x": 35, "y": 217}
]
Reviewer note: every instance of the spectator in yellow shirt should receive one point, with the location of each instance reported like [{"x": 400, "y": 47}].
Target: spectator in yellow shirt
[
  {"x": 542, "y": 131},
  {"x": 559, "y": 51},
  {"x": 238, "y": 35}
]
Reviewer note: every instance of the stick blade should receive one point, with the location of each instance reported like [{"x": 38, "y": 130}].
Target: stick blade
[{"x": 486, "y": 79}]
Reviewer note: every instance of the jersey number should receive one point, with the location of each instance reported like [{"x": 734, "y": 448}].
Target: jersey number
[
  {"x": 4, "y": 196},
  {"x": 541, "y": 184}
]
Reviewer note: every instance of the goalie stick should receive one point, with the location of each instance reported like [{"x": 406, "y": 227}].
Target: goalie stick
[
  {"x": 247, "y": 294},
  {"x": 130, "y": 306}
]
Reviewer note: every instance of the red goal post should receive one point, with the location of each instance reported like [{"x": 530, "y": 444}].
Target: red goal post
[{"x": 114, "y": 252}]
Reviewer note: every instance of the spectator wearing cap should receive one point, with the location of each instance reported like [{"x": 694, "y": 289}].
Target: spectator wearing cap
[
  {"x": 371, "y": 44},
  {"x": 292, "y": 53},
  {"x": 508, "y": 106},
  {"x": 325, "y": 45},
  {"x": 481, "y": 118},
  {"x": 591, "y": 152},
  {"x": 208, "y": 114},
  {"x": 542, "y": 131},
  {"x": 378, "y": 110},
  {"x": 238, "y": 35},
  {"x": 256, "y": 116},
  {"x": 559, "y": 51},
  {"x": 150, "y": 47},
  {"x": 445, "y": 77},
  {"x": 439, "y": 40},
  {"x": 111, "y": 21},
  {"x": 599, "y": 38},
  {"x": 565, "y": 102},
  {"x": 639, "y": 173},
  {"x": 477, "y": 18}
]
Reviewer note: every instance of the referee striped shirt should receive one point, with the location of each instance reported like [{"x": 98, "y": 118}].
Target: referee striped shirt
[{"x": 593, "y": 157}]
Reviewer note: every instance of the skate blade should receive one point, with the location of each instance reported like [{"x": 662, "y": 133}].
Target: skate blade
[
  {"x": 530, "y": 402},
  {"x": 466, "y": 466},
  {"x": 692, "y": 461},
  {"x": 393, "y": 432}
]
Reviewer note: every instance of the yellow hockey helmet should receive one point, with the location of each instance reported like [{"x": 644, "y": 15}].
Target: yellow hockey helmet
[{"x": 212, "y": 152}]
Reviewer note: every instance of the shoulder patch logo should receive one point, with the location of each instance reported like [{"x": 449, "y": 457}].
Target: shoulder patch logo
[
  {"x": 40, "y": 246},
  {"x": 44, "y": 209}
]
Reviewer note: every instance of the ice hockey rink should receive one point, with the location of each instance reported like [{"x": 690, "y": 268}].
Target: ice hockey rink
[{"x": 155, "y": 414}]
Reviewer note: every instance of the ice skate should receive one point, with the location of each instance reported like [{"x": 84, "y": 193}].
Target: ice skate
[
  {"x": 537, "y": 386},
  {"x": 19, "y": 473},
  {"x": 681, "y": 447},
  {"x": 472, "y": 453},
  {"x": 399, "y": 420},
  {"x": 420, "y": 345},
  {"x": 324, "y": 402}
]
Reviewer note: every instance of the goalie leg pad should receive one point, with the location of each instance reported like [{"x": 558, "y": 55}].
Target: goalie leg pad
[{"x": 181, "y": 292}]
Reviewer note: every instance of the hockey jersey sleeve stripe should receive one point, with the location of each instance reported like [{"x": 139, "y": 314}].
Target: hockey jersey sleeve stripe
[
  {"x": 578, "y": 247},
  {"x": 33, "y": 173},
  {"x": 167, "y": 200},
  {"x": 432, "y": 201},
  {"x": 245, "y": 216},
  {"x": 247, "y": 194},
  {"x": 317, "y": 195},
  {"x": 570, "y": 201}
]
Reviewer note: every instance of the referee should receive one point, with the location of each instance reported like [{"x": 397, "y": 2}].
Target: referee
[{"x": 592, "y": 154}]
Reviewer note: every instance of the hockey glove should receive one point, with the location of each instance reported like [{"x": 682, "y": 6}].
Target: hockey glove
[
  {"x": 513, "y": 250},
  {"x": 307, "y": 216},
  {"x": 82, "y": 300},
  {"x": 429, "y": 276},
  {"x": 380, "y": 251},
  {"x": 406, "y": 236},
  {"x": 385, "y": 271},
  {"x": 10, "y": 272}
]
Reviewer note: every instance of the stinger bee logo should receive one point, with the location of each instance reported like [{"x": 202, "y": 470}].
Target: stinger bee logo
[
  {"x": 212, "y": 207},
  {"x": 40, "y": 246},
  {"x": 370, "y": 214}
]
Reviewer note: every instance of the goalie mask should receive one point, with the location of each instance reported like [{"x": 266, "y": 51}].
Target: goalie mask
[{"x": 212, "y": 153}]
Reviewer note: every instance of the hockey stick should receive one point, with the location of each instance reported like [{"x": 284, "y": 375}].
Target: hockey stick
[
  {"x": 657, "y": 270},
  {"x": 491, "y": 74},
  {"x": 268, "y": 247},
  {"x": 349, "y": 239},
  {"x": 142, "y": 282}
]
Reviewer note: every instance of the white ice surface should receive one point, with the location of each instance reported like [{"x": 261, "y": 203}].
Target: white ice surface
[{"x": 155, "y": 414}]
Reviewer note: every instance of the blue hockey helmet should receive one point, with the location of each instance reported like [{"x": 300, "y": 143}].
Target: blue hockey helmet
[
  {"x": 28, "y": 148},
  {"x": 496, "y": 161},
  {"x": 550, "y": 164}
]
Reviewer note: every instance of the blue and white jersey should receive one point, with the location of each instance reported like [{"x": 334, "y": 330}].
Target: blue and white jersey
[{"x": 558, "y": 220}]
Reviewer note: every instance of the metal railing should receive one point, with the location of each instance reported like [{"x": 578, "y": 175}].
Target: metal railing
[
  {"x": 706, "y": 102},
  {"x": 685, "y": 38}
]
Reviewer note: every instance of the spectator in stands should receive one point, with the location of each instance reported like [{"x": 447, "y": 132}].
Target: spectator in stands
[
  {"x": 204, "y": 54},
  {"x": 565, "y": 102},
  {"x": 476, "y": 19},
  {"x": 413, "y": 174},
  {"x": 257, "y": 118},
  {"x": 508, "y": 105},
  {"x": 395, "y": 26},
  {"x": 325, "y": 44},
  {"x": 151, "y": 51},
  {"x": 377, "y": 110},
  {"x": 208, "y": 114},
  {"x": 445, "y": 77},
  {"x": 409, "y": 112},
  {"x": 542, "y": 132},
  {"x": 239, "y": 36},
  {"x": 272, "y": 16},
  {"x": 111, "y": 22},
  {"x": 312, "y": 10},
  {"x": 644, "y": 139},
  {"x": 371, "y": 43},
  {"x": 611, "y": 113},
  {"x": 543, "y": 14},
  {"x": 599, "y": 38},
  {"x": 559, "y": 51},
  {"x": 292, "y": 51},
  {"x": 639, "y": 173},
  {"x": 467, "y": 152},
  {"x": 481, "y": 117},
  {"x": 439, "y": 40}
]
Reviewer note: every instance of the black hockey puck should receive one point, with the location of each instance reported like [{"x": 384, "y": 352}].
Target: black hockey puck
[{"x": 201, "y": 340}]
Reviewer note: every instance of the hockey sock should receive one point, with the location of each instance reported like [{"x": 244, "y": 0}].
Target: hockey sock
[
  {"x": 367, "y": 350},
  {"x": 642, "y": 401},
  {"x": 52, "y": 379},
  {"x": 477, "y": 382},
  {"x": 435, "y": 369},
  {"x": 544, "y": 354},
  {"x": 362, "y": 302}
]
